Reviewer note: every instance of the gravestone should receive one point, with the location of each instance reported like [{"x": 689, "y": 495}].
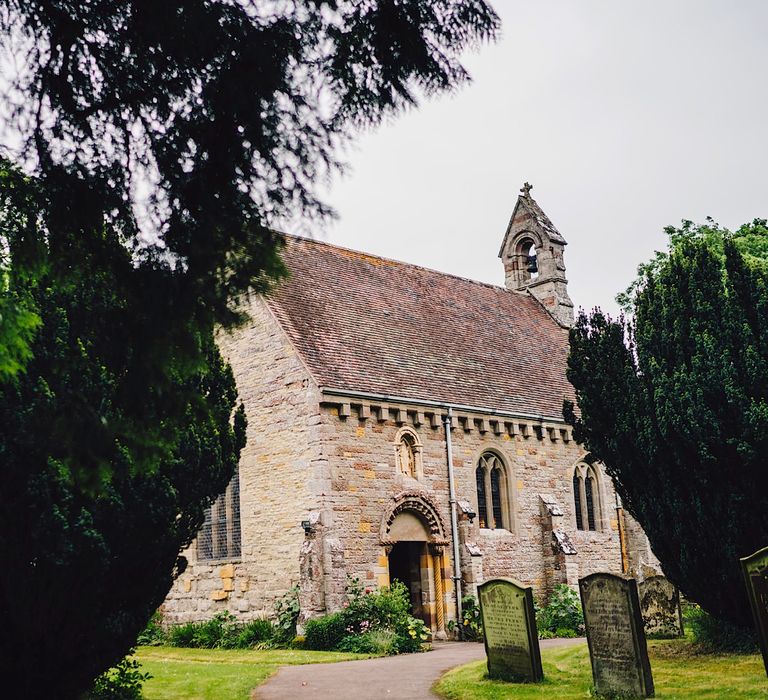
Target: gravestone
[
  {"x": 660, "y": 606},
  {"x": 509, "y": 628},
  {"x": 617, "y": 647},
  {"x": 755, "y": 568}
]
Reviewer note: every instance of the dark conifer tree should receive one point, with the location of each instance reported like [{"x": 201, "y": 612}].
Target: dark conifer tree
[
  {"x": 87, "y": 561},
  {"x": 115, "y": 432},
  {"x": 674, "y": 402},
  {"x": 228, "y": 112}
]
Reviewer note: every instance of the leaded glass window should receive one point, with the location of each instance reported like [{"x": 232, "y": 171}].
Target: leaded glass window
[
  {"x": 588, "y": 485},
  {"x": 482, "y": 501},
  {"x": 493, "y": 497},
  {"x": 496, "y": 497},
  {"x": 219, "y": 537},
  {"x": 586, "y": 497},
  {"x": 577, "y": 500}
]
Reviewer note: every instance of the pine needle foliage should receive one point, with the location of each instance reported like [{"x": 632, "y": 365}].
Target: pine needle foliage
[
  {"x": 87, "y": 563},
  {"x": 191, "y": 129},
  {"x": 229, "y": 114},
  {"x": 674, "y": 402}
]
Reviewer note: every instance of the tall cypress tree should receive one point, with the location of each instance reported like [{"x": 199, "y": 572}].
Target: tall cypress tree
[{"x": 674, "y": 401}]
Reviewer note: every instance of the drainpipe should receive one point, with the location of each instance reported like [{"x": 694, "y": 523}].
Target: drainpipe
[{"x": 454, "y": 523}]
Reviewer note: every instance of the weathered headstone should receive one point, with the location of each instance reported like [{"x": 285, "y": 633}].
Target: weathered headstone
[
  {"x": 660, "y": 606},
  {"x": 755, "y": 569},
  {"x": 509, "y": 627},
  {"x": 615, "y": 635}
]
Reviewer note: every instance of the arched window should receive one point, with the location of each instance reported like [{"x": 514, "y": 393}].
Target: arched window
[
  {"x": 408, "y": 453},
  {"x": 586, "y": 497},
  {"x": 590, "y": 500},
  {"x": 577, "y": 500},
  {"x": 493, "y": 501},
  {"x": 482, "y": 501},
  {"x": 496, "y": 497}
]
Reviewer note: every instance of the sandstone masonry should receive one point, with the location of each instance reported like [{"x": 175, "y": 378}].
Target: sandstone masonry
[{"x": 352, "y": 376}]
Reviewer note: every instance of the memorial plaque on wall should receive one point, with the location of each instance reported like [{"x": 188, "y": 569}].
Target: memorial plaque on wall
[
  {"x": 617, "y": 647},
  {"x": 660, "y": 606},
  {"x": 755, "y": 569},
  {"x": 509, "y": 628}
]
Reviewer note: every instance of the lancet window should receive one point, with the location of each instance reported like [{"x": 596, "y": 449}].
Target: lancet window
[
  {"x": 493, "y": 500},
  {"x": 586, "y": 497}
]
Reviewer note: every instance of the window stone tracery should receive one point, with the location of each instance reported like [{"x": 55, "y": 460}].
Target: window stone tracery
[
  {"x": 586, "y": 497},
  {"x": 494, "y": 505}
]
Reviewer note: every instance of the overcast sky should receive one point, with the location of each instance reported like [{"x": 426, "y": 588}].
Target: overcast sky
[{"x": 625, "y": 117}]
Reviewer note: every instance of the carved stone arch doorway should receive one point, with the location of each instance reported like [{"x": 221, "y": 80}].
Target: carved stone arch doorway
[{"x": 413, "y": 536}]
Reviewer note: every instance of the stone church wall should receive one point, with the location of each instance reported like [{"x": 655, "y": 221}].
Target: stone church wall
[
  {"x": 315, "y": 458},
  {"x": 365, "y": 478},
  {"x": 537, "y": 467},
  {"x": 642, "y": 561},
  {"x": 278, "y": 470}
]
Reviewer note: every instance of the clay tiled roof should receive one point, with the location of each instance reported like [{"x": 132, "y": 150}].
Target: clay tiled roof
[{"x": 368, "y": 324}]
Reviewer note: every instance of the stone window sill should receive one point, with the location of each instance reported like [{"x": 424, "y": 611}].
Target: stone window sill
[
  {"x": 495, "y": 531},
  {"x": 215, "y": 562}
]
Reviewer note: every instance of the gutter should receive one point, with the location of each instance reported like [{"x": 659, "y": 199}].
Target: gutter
[{"x": 388, "y": 398}]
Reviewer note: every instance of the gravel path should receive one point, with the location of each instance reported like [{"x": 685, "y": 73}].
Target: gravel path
[{"x": 406, "y": 677}]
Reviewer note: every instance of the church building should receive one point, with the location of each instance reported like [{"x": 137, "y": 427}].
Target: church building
[{"x": 406, "y": 424}]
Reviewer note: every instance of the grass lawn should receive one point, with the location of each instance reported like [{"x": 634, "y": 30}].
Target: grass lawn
[
  {"x": 677, "y": 675},
  {"x": 216, "y": 674}
]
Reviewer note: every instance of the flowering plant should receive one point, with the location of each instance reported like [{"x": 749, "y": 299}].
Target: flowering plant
[
  {"x": 373, "y": 621},
  {"x": 472, "y": 626},
  {"x": 417, "y": 630}
]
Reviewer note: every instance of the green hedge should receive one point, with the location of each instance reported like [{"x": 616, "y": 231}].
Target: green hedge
[
  {"x": 325, "y": 633},
  {"x": 223, "y": 631}
]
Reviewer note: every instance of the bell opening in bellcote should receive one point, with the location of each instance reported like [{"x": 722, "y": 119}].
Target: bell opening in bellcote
[
  {"x": 528, "y": 260},
  {"x": 533, "y": 268},
  {"x": 533, "y": 256}
]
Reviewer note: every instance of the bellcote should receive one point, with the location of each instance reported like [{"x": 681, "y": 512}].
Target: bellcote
[{"x": 532, "y": 254}]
